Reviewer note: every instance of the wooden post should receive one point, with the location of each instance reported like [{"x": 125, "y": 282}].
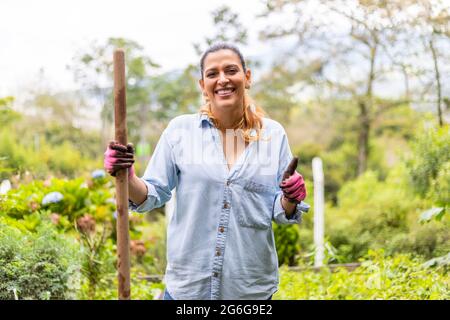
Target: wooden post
[
  {"x": 319, "y": 206},
  {"x": 120, "y": 122}
]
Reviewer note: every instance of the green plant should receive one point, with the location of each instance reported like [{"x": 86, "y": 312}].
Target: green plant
[
  {"x": 150, "y": 230},
  {"x": 373, "y": 214},
  {"x": 140, "y": 289},
  {"x": 287, "y": 243},
  {"x": 40, "y": 265},
  {"x": 379, "y": 277},
  {"x": 431, "y": 153},
  {"x": 74, "y": 198},
  {"x": 97, "y": 252}
]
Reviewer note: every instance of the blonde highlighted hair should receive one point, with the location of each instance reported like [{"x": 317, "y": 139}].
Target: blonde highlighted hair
[{"x": 252, "y": 121}]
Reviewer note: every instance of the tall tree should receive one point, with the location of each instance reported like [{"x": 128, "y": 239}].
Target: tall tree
[
  {"x": 432, "y": 24},
  {"x": 227, "y": 28},
  {"x": 93, "y": 68},
  {"x": 349, "y": 40}
]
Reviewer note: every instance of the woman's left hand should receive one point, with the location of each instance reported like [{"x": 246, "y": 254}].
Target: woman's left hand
[{"x": 294, "y": 188}]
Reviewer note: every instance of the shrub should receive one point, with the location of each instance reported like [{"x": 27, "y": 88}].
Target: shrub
[
  {"x": 39, "y": 157},
  {"x": 140, "y": 289},
  {"x": 374, "y": 214},
  {"x": 431, "y": 152},
  {"x": 379, "y": 277},
  {"x": 70, "y": 199},
  {"x": 41, "y": 265},
  {"x": 153, "y": 237},
  {"x": 287, "y": 243}
]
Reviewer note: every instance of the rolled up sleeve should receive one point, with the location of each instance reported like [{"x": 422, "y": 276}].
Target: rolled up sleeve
[
  {"x": 279, "y": 214},
  {"x": 160, "y": 177}
]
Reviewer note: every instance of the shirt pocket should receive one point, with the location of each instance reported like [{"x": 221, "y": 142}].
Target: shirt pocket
[{"x": 256, "y": 205}]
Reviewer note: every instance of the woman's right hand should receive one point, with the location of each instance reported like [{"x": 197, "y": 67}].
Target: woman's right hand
[{"x": 119, "y": 157}]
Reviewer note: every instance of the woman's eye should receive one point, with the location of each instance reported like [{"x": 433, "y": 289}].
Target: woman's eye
[
  {"x": 232, "y": 71},
  {"x": 212, "y": 74}
]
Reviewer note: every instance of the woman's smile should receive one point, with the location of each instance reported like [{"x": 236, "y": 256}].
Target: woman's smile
[
  {"x": 224, "y": 80},
  {"x": 225, "y": 92}
]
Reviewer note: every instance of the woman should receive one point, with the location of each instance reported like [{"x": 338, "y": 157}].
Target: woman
[{"x": 227, "y": 164}]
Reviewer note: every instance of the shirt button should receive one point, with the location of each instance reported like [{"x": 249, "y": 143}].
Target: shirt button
[
  {"x": 228, "y": 182},
  {"x": 217, "y": 252},
  {"x": 216, "y": 274},
  {"x": 221, "y": 229},
  {"x": 226, "y": 205}
]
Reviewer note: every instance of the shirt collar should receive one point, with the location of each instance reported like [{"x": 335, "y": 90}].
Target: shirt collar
[{"x": 204, "y": 119}]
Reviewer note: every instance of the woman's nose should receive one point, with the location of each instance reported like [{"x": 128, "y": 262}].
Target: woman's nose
[{"x": 222, "y": 78}]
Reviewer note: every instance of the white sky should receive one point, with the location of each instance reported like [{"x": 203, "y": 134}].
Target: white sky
[{"x": 47, "y": 33}]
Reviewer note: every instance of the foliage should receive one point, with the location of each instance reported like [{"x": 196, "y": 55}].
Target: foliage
[
  {"x": 7, "y": 114},
  {"x": 379, "y": 277},
  {"x": 41, "y": 158},
  {"x": 83, "y": 209},
  {"x": 227, "y": 28},
  {"x": 80, "y": 196},
  {"x": 40, "y": 265},
  {"x": 98, "y": 259},
  {"x": 151, "y": 259},
  {"x": 175, "y": 93},
  {"x": 382, "y": 214},
  {"x": 429, "y": 166},
  {"x": 84, "y": 142},
  {"x": 140, "y": 289},
  {"x": 287, "y": 243},
  {"x": 93, "y": 69}
]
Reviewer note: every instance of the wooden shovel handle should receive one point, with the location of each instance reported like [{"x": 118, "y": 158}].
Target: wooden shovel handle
[
  {"x": 120, "y": 123},
  {"x": 291, "y": 168}
]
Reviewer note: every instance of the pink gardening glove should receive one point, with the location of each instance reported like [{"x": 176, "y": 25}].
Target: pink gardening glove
[
  {"x": 293, "y": 185},
  {"x": 294, "y": 188},
  {"x": 119, "y": 157}
]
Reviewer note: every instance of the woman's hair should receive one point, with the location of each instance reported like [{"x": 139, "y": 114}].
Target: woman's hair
[{"x": 253, "y": 114}]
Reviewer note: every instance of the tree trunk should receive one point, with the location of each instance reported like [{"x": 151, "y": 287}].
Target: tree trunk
[
  {"x": 363, "y": 137},
  {"x": 438, "y": 82},
  {"x": 365, "y": 106}
]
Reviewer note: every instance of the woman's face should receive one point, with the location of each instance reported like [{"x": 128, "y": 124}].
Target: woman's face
[{"x": 224, "y": 80}]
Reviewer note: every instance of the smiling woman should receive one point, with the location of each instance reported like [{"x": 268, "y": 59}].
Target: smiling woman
[
  {"x": 224, "y": 83},
  {"x": 220, "y": 242}
]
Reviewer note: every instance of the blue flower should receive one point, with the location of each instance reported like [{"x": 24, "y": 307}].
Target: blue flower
[
  {"x": 98, "y": 174},
  {"x": 52, "y": 197}
]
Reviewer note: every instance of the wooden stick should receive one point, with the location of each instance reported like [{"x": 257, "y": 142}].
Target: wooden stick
[
  {"x": 120, "y": 123},
  {"x": 291, "y": 168},
  {"x": 289, "y": 172}
]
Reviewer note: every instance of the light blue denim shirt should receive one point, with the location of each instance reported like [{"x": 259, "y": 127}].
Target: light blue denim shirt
[{"x": 220, "y": 242}]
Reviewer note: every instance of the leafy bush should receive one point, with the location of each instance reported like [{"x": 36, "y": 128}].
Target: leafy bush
[
  {"x": 39, "y": 157},
  {"x": 140, "y": 289},
  {"x": 431, "y": 153},
  {"x": 152, "y": 236},
  {"x": 41, "y": 265},
  {"x": 79, "y": 197},
  {"x": 374, "y": 214},
  {"x": 97, "y": 256},
  {"x": 83, "y": 209},
  {"x": 378, "y": 277},
  {"x": 287, "y": 243}
]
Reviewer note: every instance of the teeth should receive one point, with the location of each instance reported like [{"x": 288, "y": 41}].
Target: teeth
[{"x": 224, "y": 91}]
